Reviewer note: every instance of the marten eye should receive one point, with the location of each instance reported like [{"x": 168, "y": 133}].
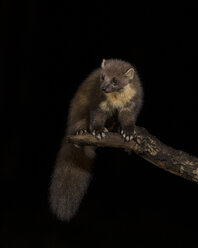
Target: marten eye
[
  {"x": 115, "y": 81},
  {"x": 102, "y": 77}
]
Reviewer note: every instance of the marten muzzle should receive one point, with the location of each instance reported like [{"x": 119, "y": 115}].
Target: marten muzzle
[{"x": 106, "y": 87}]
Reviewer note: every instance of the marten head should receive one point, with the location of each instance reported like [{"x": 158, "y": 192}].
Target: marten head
[{"x": 115, "y": 75}]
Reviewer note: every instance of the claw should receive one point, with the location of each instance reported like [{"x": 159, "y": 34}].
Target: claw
[
  {"x": 105, "y": 130},
  {"x": 81, "y": 132},
  {"x": 103, "y": 134},
  {"x": 127, "y": 136},
  {"x": 98, "y": 136}
]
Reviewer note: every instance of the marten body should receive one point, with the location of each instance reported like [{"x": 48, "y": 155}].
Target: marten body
[{"x": 108, "y": 100}]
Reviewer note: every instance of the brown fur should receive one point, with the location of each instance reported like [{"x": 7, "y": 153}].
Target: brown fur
[{"x": 92, "y": 109}]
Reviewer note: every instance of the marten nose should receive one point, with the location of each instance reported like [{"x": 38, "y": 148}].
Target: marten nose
[{"x": 103, "y": 89}]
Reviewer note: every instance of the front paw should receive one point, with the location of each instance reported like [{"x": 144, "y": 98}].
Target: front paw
[
  {"x": 99, "y": 133},
  {"x": 128, "y": 133}
]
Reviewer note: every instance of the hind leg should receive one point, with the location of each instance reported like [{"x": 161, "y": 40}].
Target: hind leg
[
  {"x": 81, "y": 127},
  {"x": 78, "y": 128}
]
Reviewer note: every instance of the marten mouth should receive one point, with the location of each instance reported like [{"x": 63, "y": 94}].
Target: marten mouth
[
  {"x": 112, "y": 90},
  {"x": 108, "y": 91}
]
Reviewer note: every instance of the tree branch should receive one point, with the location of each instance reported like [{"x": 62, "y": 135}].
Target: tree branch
[{"x": 149, "y": 148}]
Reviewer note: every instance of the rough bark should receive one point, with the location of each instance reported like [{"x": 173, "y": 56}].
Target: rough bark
[{"x": 150, "y": 148}]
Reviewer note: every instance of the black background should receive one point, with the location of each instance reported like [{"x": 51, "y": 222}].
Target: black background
[{"x": 47, "y": 49}]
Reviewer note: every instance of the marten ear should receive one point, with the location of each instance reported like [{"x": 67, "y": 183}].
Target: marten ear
[
  {"x": 103, "y": 63},
  {"x": 130, "y": 73}
]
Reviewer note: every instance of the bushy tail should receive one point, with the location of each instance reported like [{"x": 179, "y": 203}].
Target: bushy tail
[{"x": 70, "y": 180}]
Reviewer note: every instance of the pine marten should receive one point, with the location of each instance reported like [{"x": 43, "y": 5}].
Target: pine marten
[{"x": 109, "y": 99}]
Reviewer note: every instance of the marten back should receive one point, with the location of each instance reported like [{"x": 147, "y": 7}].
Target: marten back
[{"x": 87, "y": 96}]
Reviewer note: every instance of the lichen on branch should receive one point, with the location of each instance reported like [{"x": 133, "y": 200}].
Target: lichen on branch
[{"x": 148, "y": 147}]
